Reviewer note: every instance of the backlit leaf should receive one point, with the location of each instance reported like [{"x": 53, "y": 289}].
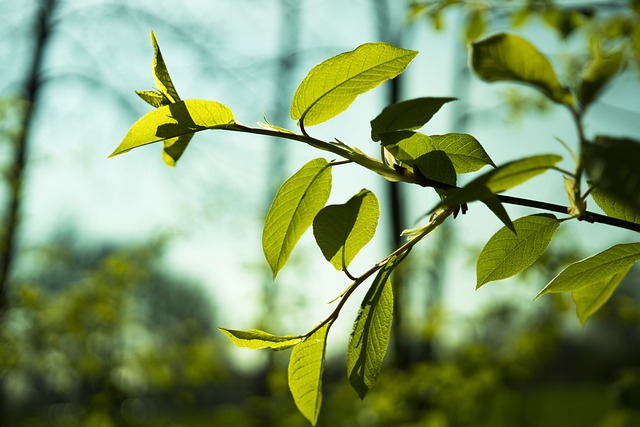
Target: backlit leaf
[
  {"x": 476, "y": 25},
  {"x": 507, "y": 254},
  {"x": 175, "y": 120},
  {"x": 507, "y": 57},
  {"x": 464, "y": 151},
  {"x": 256, "y": 339},
  {"x": 614, "y": 206},
  {"x": 161, "y": 74},
  {"x": 341, "y": 231},
  {"x": 597, "y": 74},
  {"x": 296, "y": 203},
  {"x": 406, "y": 115},
  {"x": 613, "y": 165},
  {"x": 601, "y": 268},
  {"x": 305, "y": 373},
  {"x": 590, "y": 298},
  {"x": 517, "y": 172},
  {"x": 153, "y": 98},
  {"x": 333, "y": 85},
  {"x": 371, "y": 332}
]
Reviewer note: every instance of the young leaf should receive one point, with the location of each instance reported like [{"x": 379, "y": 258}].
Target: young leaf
[
  {"x": 507, "y": 254},
  {"x": 406, "y": 115},
  {"x": 507, "y": 57},
  {"x": 463, "y": 150},
  {"x": 161, "y": 74},
  {"x": 175, "y": 120},
  {"x": 333, "y": 85},
  {"x": 590, "y": 298},
  {"x": 596, "y": 76},
  {"x": 371, "y": 331},
  {"x": 612, "y": 165},
  {"x": 305, "y": 373},
  {"x": 600, "y": 268},
  {"x": 341, "y": 231},
  {"x": 577, "y": 205},
  {"x": 296, "y": 203},
  {"x": 615, "y": 207},
  {"x": 153, "y": 98},
  {"x": 255, "y": 339}
]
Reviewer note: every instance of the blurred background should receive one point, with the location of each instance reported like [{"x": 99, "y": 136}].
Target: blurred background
[{"x": 115, "y": 273}]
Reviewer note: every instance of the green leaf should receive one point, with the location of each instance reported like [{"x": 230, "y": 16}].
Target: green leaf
[
  {"x": 371, "y": 332},
  {"x": 305, "y": 373},
  {"x": 507, "y": 254},
  {"x": 161, "y": 74},
  {"x": 590, "y": 298},
  {"x": 296, "y": 203},
  {"x": 502, "y": 178},
  {"x": 476, "y": 25},
  {"x": 507, "y": 57},
  {"x": 464, "y": 151},
  {"x": 175, "y": 120},
  {"x": 600, "y": 268},
  {"x": 333, "y": 85},
  {"x": 341, "y": 231},
  {"x": 615, "y": 207},
  {"x": 255, "y": 339},
  {"x": 406, "y": 115},
  {"x": 174, "y": 148},
  {"x": 517, "y": 172},
  {"x": 153, "y": 98},
  {"x": 612, "y": 165},
  {"x": 596, "y": 76}
]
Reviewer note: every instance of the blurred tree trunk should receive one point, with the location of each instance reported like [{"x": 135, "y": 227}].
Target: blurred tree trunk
[
  {"x": 15, "y": 175},
  {"x": 287, "y": 57},
  {"x": 390, "y": 29}
]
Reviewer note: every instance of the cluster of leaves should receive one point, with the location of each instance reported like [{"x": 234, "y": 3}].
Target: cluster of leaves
[
  {"x": 342, "y": 230},
  {"x": 613, "y": 24}
]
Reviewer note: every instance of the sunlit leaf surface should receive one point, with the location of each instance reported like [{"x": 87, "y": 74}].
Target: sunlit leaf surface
[
  {"x": 590, "y": 298},
  {"x": 600, "y": 268},
  {"x": 175, "y": 120},
  {"x": 256, "y": 339},
  {"x": 507, "y": 254},
  {"x": 371, "y": 332},
  {"x": 333, "y": 85},
  {"x": 305, "y": 373},
  {"x": 341, "y": 231},
  {"x": 296, "y": 203},
  {"x": 406, "y": 115},
  {"x": 507, "y": 57}
]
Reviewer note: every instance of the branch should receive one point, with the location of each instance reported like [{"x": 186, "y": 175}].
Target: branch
[
  {"x": 437, "y": 219},
  {"x": 398, "y": 174},
  {"x": 588, "y": 216}
]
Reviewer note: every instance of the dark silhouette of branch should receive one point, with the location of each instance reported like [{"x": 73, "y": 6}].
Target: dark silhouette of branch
[{"x": 588, "y": 216}]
